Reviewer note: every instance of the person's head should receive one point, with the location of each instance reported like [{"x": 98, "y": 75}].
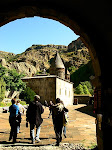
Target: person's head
[
  {"x": 51, "y": 103},
  {"x": 58, "y": 100},
  {"x": 18, "y": 101},
  {"x": 14, "y": 97},
  {"x": 36, "y": 98},
  {"x": 13, "y": 101}
]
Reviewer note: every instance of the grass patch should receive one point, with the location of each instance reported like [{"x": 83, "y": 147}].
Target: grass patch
[{"x": 2, "y": 104}]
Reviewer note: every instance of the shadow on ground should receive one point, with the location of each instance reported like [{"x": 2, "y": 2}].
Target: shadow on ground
[
  {"x": 28, "y": 144},
  {"x": 87, "y": 110}
]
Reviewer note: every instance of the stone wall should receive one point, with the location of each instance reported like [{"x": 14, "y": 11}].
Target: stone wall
[
  {"x": 44, "y": 86},
  {"x": 83, "y": 99},
  {"x": 50, "y": 88}
]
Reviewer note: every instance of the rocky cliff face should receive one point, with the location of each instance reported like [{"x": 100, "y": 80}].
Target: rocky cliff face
[
  {"x": 37, "y": 57},
  {"x": 21, "y": 67}
]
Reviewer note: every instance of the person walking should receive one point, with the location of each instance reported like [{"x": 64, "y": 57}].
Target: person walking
[
  {"x": 14, "y": 111},
  {"x": 57, "y": 116},
  {"x": 33, "y": 116},
  {"x": 65, "y": 121},
  {"x": 45, "y": 104},
  {"x": 21, "y": 110}
]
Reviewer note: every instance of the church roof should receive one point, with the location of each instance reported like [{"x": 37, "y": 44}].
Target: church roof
[
  {"x": 58, "y": 61},
  {"x": 42, "y": 77}
]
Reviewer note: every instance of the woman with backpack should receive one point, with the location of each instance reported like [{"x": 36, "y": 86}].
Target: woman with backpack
[{"x": 57, "y": 116}]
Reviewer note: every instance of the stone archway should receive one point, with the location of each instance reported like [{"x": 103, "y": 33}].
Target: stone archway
[{"x": 89, "y": 20}]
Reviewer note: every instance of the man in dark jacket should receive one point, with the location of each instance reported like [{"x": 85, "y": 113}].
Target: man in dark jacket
[
  {"x": 57, "y": 116},
  {"x": 33, "y": 115}
]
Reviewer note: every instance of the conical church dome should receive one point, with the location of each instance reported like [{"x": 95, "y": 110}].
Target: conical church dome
[
  {"x": 58, "y": 61},
  {"x": 57, "y": 66}
]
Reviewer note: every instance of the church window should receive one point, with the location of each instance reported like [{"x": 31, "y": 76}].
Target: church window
[
  {"x": 69, "y": 93},
  {"x": 65, "y": 92},
  {"x": 29, "y": 69},
  {"x": 60, "y": 91}
]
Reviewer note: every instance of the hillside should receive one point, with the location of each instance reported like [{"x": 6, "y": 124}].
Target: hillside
[
  {"x": 37, "y": 57},
  {"x": 82, "y": 74}
]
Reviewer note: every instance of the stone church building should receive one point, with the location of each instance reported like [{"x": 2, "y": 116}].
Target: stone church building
[{"x": 55, "y": 85}]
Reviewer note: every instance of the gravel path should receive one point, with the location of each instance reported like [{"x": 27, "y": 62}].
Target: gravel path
[{"x": 63, "y": 146}]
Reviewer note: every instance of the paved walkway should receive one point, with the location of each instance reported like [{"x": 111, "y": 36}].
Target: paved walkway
[{"x": 80, "y": 129}]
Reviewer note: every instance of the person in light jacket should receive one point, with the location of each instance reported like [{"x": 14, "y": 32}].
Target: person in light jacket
[{"x": 21, "y": 110}]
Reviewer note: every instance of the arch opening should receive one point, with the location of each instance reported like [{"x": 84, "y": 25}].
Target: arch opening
[{"x": 32, "y": 11}]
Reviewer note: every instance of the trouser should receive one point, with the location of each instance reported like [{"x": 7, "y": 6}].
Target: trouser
[
  {"x": 32, "y": 132},
  {"x": 18, "y": 127},
  {"x": 64, "y": 130},
  {"x": 58, "y": 132},
  {"x": 13, "y": 132},
  {"x": 18, "y": 123}
]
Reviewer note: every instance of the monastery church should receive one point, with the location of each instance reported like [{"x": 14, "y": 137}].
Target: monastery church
[{"x": 55, "y": 85}]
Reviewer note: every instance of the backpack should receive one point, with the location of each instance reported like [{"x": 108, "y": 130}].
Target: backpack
[{"x": 65, "y": 119}]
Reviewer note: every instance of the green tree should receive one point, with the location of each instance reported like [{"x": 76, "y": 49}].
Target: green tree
[
  {"x": 89, "y": 86},
  {"x": 28, "y": 95},
  {"x": 2, "y": 89},
  {"x": 3, "y": 71},
  {"x": 79, "y": 89},
  {"x": 13, "y": 81},
  {"x": 85, "y": 89}
]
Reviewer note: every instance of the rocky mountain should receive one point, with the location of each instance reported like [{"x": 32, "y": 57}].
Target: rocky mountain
[{"x": 37, "y": 57}]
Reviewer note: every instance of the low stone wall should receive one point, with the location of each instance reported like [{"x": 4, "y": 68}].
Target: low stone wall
[{"x": 83, "y": 99}]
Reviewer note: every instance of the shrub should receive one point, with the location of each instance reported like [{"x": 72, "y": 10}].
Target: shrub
[
  {"x": 8, "y": 104},
  {"x": 22, "y": 102},
  {"x": 28, "y": 95},
  {"x": 2, "y": 104}
]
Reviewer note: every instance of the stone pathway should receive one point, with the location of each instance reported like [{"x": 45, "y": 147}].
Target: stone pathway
[{"x": 81, "y": 131}]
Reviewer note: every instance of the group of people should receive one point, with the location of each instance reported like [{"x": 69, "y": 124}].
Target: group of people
[{"x": 33, "y": 116}]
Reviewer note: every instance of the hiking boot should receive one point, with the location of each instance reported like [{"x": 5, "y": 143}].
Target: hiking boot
[
  {"x": 10, "y": 138},
  {"x": 33, "y": 142},
  {"x": 57, "y": 144}
]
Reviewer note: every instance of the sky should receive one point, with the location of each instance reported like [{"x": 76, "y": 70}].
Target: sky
[{"x": 20, "y": 34}]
